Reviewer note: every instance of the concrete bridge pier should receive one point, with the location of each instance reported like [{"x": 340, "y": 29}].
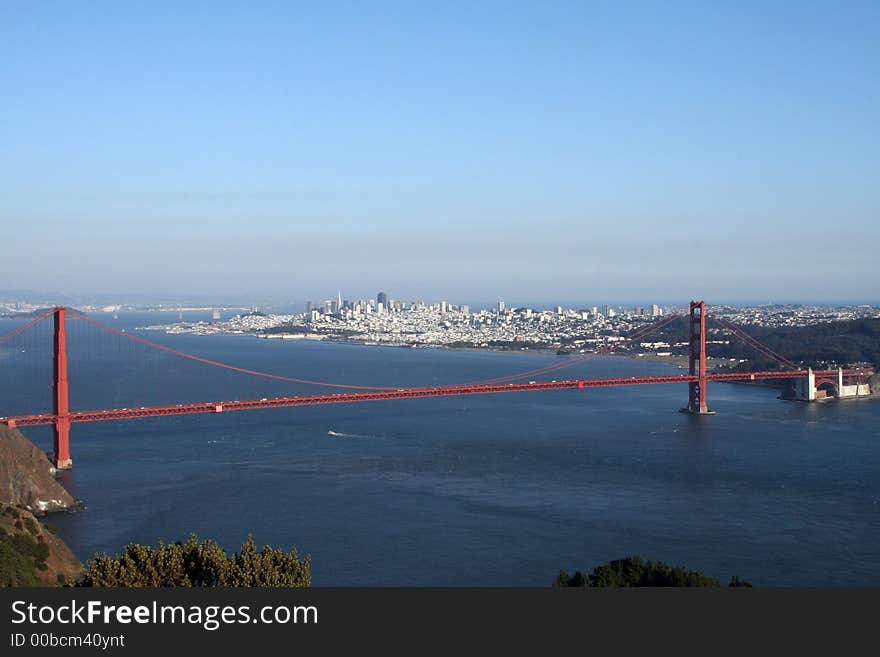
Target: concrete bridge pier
[{"x": 810, "y": 388}]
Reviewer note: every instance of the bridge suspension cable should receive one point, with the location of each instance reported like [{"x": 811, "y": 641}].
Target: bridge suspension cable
[
  {"x": 535, "y": 372},
  {"x": 755, "y": 344},
  {"x": 214, "y": 363},
  {"x": 638, "y": 335},
  {"x": 25, "y": 327}
]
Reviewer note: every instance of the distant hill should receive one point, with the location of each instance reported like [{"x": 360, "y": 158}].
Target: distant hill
[
  {"x": 29, "y": 315},
  {"x": 34, "y": 313}
]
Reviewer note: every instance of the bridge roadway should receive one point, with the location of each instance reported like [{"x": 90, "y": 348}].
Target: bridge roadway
[{"x": 401, "y": 393}]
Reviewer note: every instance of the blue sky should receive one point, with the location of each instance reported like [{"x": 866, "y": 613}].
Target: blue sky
[{"x": 526, "y": 151}]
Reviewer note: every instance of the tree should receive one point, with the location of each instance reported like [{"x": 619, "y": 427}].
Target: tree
[
  {"x": 195, "y": 563},
  {"x": 736, "y": 582},
  {"x": 21, "y": 556},
  {"x": 562, "y": 579},
  {"x": 634, "y": 571},
  {"x": 578, "y": 580},
  {"x": 15, "y": 568}
]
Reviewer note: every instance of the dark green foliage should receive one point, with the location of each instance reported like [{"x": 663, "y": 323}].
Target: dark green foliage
[
  {"x": 29, "y": 547},
  {"x": 578, "y": 580},
  {"x": 562, "y": 579},
  {"x": 19, "y": 556},
  {"x": 736, "y": 582},
  {"x": 31, "y": 526},
  {"x": 18, "y": 525},
  {"x": 634, "y": 571},
  {"x": 49, "y": 527},
  {"x": 193, "y": 563},
  {"x": 15, "y": 568}
]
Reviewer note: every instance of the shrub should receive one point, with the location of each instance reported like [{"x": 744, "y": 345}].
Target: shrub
[
  {"x": 31, "y": 526},
  {"x": 19, "y": 556},
  {"x": 15, "y": 568},
  {"x": 634, "y": 571},
  {"x": 195, "y": 563}
]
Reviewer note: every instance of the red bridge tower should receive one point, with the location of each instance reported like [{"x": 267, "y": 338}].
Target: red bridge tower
[
  {"x": 697, "y": 361},
  {"x": 61, "y": 454}
]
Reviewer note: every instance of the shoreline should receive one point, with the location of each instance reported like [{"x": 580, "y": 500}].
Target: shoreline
[
  {"x": 549, "y": 350},
  {"x": 677, "y": 361}
]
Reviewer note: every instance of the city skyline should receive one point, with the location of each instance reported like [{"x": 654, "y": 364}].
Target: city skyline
[{"x": 301, "y": 303}]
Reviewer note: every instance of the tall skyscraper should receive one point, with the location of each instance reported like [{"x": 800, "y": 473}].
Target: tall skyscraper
[
  {"x": 383, "y": 299},
  {"x": 500, "y": 306}
]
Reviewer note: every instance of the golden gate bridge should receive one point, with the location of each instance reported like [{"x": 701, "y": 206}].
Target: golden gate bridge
[{"x": 62, "y": 417}]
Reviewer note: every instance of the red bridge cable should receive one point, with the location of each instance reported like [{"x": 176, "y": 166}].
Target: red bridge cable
[
  {"x": 758, "y": 345},
  {"x": 214, "y": 363},
  {"x": 753, "y": 342},
  {"x": 648, "y": 330},
  {"x": 638, "y": 335},
  {"x": 22, "y": 329},
  {"x": 199, "y": 359},
  {"x": 557, "y": 366},
  {"x": 641, "y": 333}
]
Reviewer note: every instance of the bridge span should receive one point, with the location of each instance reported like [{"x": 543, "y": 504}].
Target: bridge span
[
  {"x": 400, "y": 393},
  {"x": 697, "y": 380}
]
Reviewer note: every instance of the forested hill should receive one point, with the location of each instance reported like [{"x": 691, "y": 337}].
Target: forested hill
[{"x": 831, "y": 344}]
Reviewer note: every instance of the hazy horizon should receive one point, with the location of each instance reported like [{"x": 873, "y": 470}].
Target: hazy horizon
[
  {"x": 619, "y": 153},
  {"x": 281, "y": 302}
]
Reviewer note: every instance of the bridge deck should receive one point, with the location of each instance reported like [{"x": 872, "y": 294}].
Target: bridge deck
[{"x": 401, "y": 393}]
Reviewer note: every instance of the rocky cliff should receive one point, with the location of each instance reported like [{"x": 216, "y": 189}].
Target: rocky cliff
[{"x": 27, "y": 478}]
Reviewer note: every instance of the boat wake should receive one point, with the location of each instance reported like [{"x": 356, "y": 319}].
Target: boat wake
[{"x": 339, "y": 434}]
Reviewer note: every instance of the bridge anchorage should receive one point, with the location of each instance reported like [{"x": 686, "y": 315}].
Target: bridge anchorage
[
  {"x": 810, "y": 384},
  {"x": 821, "y": 386}
]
